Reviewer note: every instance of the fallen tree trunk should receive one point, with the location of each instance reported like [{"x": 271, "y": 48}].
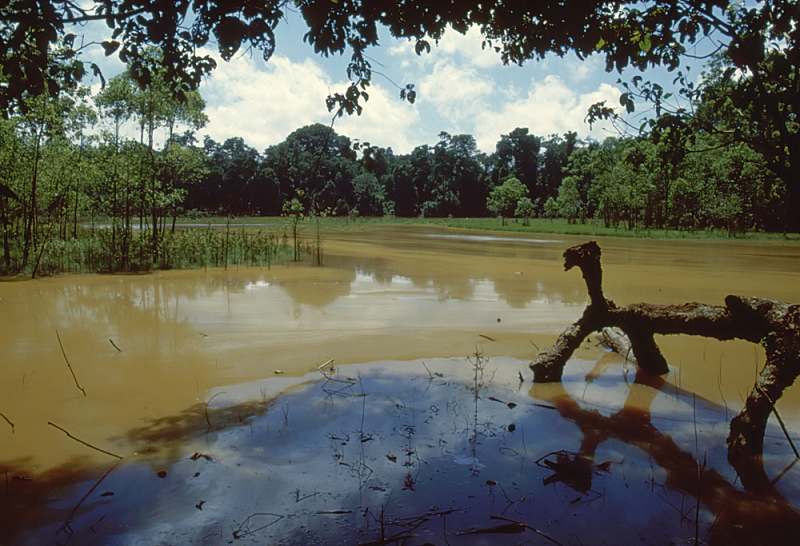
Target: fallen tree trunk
[{"x": 774, "y": 324}]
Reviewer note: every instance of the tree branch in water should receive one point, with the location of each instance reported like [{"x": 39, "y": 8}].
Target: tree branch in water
[{"x": 774, "y": 324}]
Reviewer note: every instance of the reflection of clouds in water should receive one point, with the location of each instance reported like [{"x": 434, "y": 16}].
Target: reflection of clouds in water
[
  {"x": 254, "y": 285},
  {"x": 324, "y": 461},
  {"x": 360, "y": 299},
  {"x": 489, "y": 238},
  {"x": 366, "y": 282}
]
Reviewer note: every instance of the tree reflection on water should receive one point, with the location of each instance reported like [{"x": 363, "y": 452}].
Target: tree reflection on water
[{"x": 759, "y": 514}]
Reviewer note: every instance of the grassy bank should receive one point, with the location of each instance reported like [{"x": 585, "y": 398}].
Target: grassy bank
[
  {"x": 537, "y": 225},
  {"x": 103, "y": 250}
]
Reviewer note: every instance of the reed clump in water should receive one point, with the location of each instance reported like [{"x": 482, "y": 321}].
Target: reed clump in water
[{"x": 100, "y": 251}]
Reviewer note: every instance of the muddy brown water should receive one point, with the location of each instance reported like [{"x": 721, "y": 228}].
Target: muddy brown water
[{"x": 146, "y": 347}]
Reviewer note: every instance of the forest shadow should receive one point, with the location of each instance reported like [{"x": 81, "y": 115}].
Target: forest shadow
[{"x": 49, "y": 500}]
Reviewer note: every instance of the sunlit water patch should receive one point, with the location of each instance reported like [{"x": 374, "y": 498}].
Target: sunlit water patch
[{"x": 490, "y": 238}]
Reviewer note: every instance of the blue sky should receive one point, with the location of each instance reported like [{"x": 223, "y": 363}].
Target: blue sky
[{"x": 461, "y": 89}]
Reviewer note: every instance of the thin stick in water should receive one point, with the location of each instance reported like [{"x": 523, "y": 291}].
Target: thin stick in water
[
  {"x": 66, "y": 526},
  {"x": 780, "y": 421},
  {"x": 68, "y": 364},
  {"x": 8, "y": 421},
  {"x": 206, "y": 410},
  {"x": 85, "y": 443},
  {"x": 535, "y": 530},
  {"x": 111, "y": 341}
]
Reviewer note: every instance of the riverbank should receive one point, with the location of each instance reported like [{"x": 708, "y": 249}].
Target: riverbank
[{"x": 589, "y": 228}]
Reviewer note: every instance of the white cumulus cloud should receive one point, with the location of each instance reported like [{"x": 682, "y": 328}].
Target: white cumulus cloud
[
  {"x": 549, "y": 107},
  {"x": 264, "y": 102}
]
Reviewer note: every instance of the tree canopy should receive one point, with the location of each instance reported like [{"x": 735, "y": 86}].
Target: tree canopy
[{"x": 761, "y": 38}]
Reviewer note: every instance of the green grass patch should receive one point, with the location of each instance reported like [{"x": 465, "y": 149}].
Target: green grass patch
[
  {"x": 106, "y": 250},
  {"x": 590, "y": 228}
]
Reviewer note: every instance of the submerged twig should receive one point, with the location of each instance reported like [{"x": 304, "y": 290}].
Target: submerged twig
[
  {"x": 241, "y": 531},
  {"x": 780, "y": 421},
  {"x": 111, "y": 341},
  {"x": 85, "y": 443},
  {"x": 206, "y": 409},
  {"x": 68, "y": 521},
  {"x": 8, "y": 421},
  {"x": 68, "y": 364},
  {"x": 537, "y": 531}
]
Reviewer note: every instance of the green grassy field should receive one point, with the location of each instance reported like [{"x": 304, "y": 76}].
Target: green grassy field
[{"x": 556, "y": 226}]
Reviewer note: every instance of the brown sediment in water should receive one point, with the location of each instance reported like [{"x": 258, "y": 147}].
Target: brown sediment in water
[{"x": 147, "y": 347}]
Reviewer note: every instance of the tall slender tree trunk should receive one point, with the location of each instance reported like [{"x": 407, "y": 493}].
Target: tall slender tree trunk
[
  {"x": 29, "y": 235},
  {"x": 6, "y": 246},
  {"x": 153, "y": 183},
  {"x": 792, "y": 204}
]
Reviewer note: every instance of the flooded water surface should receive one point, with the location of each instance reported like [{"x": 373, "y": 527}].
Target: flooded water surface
[{"x": 138, "y": 365}]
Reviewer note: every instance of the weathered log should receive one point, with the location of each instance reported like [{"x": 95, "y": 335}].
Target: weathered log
[
  {"x": 774, "y": 324},
  {"x": 618, "y": 342}
]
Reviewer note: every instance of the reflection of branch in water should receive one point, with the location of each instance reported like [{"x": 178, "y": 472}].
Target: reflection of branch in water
[
  {"x": 407, "y": 525},
  {"x": 245, "y": 528},
  {"x": 347, "y": 383},
  {"x": 759, "y": 515},
  {"x": 85, "y": 443},
  {"x": 780, "y": 421},
  {"x": 478, "y": 366},
  {"x": 572, "y": 469},
  {"x": 411, "y": 453},
  {"x": 66, "y": 527}
]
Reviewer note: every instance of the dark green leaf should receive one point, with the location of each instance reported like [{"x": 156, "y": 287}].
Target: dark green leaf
[{"x": 230, "y": 32}]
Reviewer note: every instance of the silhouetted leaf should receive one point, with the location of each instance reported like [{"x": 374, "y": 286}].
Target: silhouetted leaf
[
  {"x": 230, "y": 32},
  {"x": 422, "y": 45},
  {"x": 98, "y": 73},
  {"x": 5, "y": 191},
  {"x": 110, "y": 46}
]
